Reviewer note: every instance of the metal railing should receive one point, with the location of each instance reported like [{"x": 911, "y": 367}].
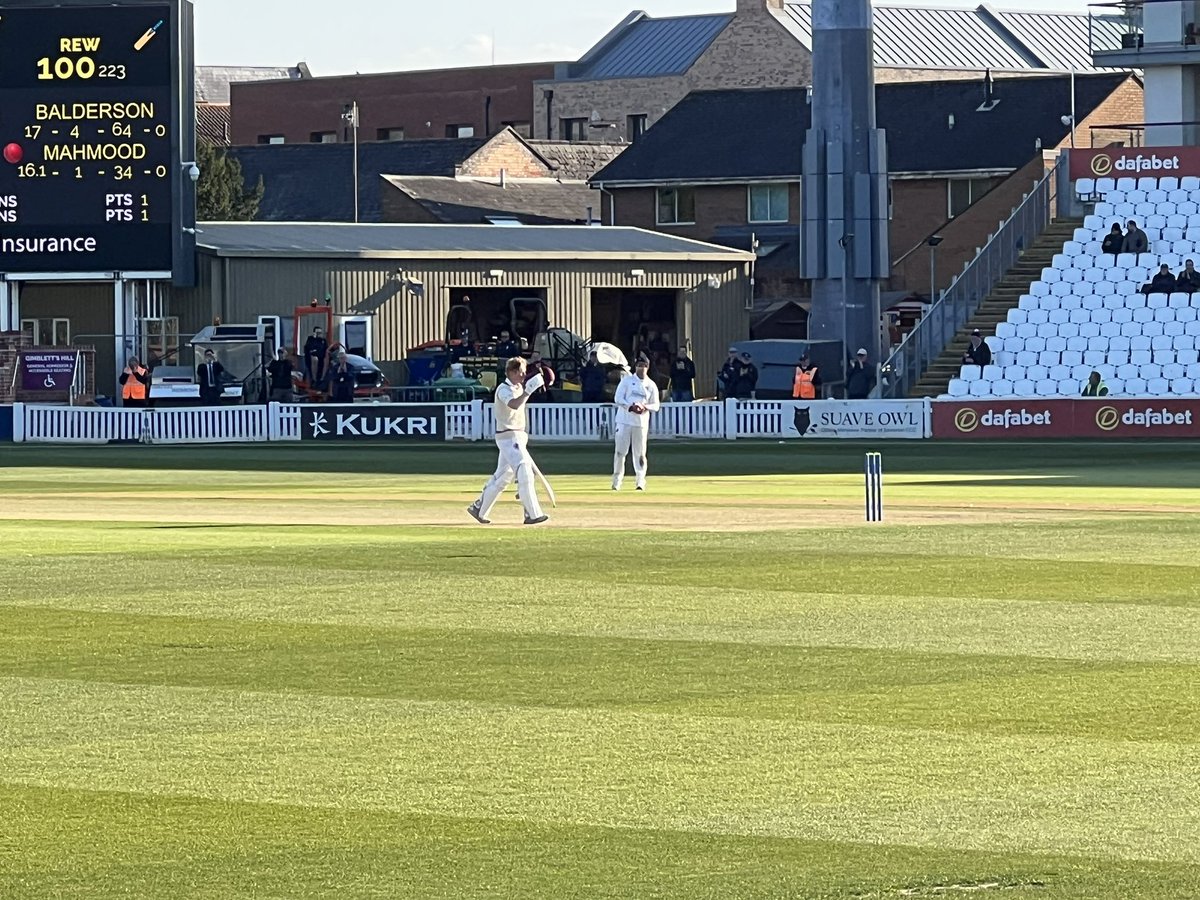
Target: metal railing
[{"x": 959, "y": 302}]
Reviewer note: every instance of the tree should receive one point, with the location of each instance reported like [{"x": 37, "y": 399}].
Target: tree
[{"x": 221, "y": 192}]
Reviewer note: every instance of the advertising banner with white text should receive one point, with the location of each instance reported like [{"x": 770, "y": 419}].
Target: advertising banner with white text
[{"x": 851, "y": 419}]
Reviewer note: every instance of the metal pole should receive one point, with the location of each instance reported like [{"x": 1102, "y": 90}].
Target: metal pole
[
  {"x": 1072, "y": 107},
  {"x": 932, "y": 273},
  {"x": 354, "y": 126}
]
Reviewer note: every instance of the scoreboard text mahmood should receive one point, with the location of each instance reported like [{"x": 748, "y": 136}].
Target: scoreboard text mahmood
[{"x": 86, "y": 130}]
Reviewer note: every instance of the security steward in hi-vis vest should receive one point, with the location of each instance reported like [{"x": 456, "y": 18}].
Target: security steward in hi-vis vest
[
  {"x": 135, "y": 384},
  {"x": 807, "y": 381}
]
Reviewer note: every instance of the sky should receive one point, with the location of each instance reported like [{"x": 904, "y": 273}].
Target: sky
[{"x": 338, "y": 37}]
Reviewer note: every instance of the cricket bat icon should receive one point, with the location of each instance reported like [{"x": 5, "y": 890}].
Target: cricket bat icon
[{"x": 145, "y": 38}]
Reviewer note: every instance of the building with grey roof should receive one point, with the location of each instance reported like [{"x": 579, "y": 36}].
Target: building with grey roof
[
  {"x": 610, "y": 284},
  {"x": 644, "y": 66}
]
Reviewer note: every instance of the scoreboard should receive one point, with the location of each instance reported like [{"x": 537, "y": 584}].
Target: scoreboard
[{"x": 90, "y": 165}]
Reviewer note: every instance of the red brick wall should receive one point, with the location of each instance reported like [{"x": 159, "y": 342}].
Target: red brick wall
[
  {"x": 296, "y": 109},
  {"x": 721, "y": 204}
]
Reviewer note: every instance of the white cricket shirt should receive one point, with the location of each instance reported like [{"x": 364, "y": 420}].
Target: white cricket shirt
[
  {"x": 508, "y": 419},
  {"x": 633, "y": 390}
]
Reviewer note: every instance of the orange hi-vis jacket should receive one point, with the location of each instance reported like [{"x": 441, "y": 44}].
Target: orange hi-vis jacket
[
  {"x": 133, "y": 389},
  {"x": 803, "y": 387}
]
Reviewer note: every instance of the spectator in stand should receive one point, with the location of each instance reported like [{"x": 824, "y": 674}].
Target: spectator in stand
[
  {"x": 860, "y": 377},
  {"x": 745, "y": 377},
  {"x": 1095, "y": 386},
  {"x": 1188, "y": 280},
  {"x": 538, "y": 367},
  {"x": 210, "y": 375},
  {"x": 683, "y": 375},
  {"x": 341, "y": 380},
  {"x": 135, "y": 384},
  {"x": 1162, "y": 283},
  {"x": 1114, "y": 241},
  {"x": 727, "y": 375},
  {"x": 978, "y": 353},
  {"x": 1135, "y": 240},
  {"x": 315, "y": 350},
  {"x": 591, "y": 379},
  {"x": 506, "y": 347}
]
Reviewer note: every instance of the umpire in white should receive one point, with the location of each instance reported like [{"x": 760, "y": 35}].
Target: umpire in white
[
  {"x": 511, "y": 439},
  {"x": 636, "y": 398}
]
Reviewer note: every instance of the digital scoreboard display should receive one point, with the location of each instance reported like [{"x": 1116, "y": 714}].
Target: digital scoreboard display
[{"x": 89, "y": 158}]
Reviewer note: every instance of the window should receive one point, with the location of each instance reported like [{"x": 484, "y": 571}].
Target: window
[
  {"x": 323, "y": 137},
  {"x": 768, "y": 202},
  {"x": 48, "y": 332},
  {"x": 389, "y": 134},
  {"x": 676, "y": 206},
  {"x": 961, "y": 193},
  {"x": 270, "y": 139},
  {"x": 522, "y": 128},
  {"x": 573, "y": 129},
  {"x": 460, "y": 131},
  {"x": 635, "y": 127}
]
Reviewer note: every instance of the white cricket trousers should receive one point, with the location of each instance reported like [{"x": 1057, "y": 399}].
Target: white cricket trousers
[
  {"x": 514, "y": 462},
  {"x": 630, "y": 437}
]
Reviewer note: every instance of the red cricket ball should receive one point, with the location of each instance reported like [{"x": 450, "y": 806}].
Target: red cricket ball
[{"x": 13, "y": 153}]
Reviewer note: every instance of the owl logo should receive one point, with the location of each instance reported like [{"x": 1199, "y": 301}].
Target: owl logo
[{"x": 802, "y": 419}]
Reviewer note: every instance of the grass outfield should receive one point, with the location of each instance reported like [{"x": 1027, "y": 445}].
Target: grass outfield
[{"x": 303, "y": 672}]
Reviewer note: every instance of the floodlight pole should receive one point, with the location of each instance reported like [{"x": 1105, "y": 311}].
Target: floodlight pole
[{"x": 350, "y": 116}]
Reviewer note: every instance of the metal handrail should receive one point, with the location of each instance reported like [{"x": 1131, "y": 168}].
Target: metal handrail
[{"x": 959, "y": 302}]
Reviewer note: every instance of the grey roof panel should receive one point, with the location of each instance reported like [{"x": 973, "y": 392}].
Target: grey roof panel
[
  {"x": 212, "y": 82},
  {"x": 465, "y": 241},
  {"x": 1060, "y": 40},
  {"x": 918, "y": 37},
  {"x": 654, "y": 47}
]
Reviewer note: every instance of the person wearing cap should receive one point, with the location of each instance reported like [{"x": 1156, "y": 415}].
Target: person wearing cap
[
  {"x": 807, "y": 381},
  {"x": 636, "y": 398},
  {"x": 860, "y": 377},
  {"x": 745, "y": 378},
  {"x": 726, "y": 377},
  {"x": 512, "y": 439},
  {"x": 979, "y": 353}
]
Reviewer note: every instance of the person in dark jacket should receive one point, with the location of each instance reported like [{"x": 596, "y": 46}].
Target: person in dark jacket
[
  {"x": 860, "y": 377},
  {"x": 506, "y": 347},
  {"x": 341, "y": 381},
  {"x": 210, "y": 375},
  {"x": 725, "y": 377},
  {"x": 1189, "y": 279},
  {"x": 315, "y": 350},
  {"x": 592, "y": 378},
  {"x": 280, "y": 369},
  {"x": 1162, "y": 283},
  {"x": 1135, "y": 240},
  {"x": 1113, "y": 241},
  {"x": 745, "y": 377},
  {"x": 978, "y": 353},
  {"x": 683, "y": 376}
]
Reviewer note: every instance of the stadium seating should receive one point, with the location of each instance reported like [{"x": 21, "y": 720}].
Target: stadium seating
[{"x": 1087, "y": 313}]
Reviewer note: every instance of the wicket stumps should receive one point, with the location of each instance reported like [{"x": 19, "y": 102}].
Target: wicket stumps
[{"x": 874, "y": 473}]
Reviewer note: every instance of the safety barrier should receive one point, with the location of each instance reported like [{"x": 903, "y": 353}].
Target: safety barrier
[{"x": 474, "y": 421}]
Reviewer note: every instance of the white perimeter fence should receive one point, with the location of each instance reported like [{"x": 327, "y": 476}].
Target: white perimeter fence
[{"x": 728, "y": 420}]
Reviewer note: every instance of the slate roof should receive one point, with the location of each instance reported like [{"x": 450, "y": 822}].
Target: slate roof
[
  {"x": 471, "y": 201},
  {"x": 743, "y": 135},
  {"x": 451, "y": 241},
  {"x": 920, "y": 37},
  {"x": 647, "y": 47},
  {"x": 315, "y": 182},
  {"x": 212, "y": 82},
  {"x": 576, "y": 160}
]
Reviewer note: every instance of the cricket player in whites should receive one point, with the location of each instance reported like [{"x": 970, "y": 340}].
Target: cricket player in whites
[
  {"x": 636, "y": 398},
  {"x": 511, "y": 439}
]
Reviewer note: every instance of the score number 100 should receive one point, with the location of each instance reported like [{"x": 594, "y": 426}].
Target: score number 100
[{"x": 84, "y": 67}]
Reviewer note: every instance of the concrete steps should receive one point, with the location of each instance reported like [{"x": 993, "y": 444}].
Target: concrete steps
[{"x": 994, "y": 309}]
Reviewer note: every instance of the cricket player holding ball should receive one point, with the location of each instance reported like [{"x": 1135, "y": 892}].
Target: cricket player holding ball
[{"x": 636, "y": 398}]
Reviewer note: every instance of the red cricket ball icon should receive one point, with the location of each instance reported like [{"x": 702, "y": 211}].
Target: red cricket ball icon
[{"x": 13, "y": 153}]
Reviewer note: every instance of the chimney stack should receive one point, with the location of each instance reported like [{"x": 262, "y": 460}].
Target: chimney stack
[{"x": 754, "y": 6}]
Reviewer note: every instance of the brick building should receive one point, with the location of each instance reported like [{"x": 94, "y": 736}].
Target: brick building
[
  {"x": 644, "y": 66},
  {"x": 393, "y": 106},
  {"x": 725, "y": 165},
  {"x": 212, "y": 95}
]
